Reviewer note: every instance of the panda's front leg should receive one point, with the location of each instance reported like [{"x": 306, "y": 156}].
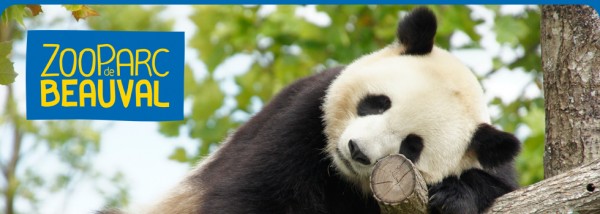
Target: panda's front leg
[
  {"x": 451, "y": 196},
  {"x": 473, "y": 192}
]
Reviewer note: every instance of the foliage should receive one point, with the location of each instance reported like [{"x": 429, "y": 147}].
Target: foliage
[
  {"x": 66, "y": 146},
  {"x": 121, "y": 197},
  {"x": 72, "y": 143},
  {"x": 18, "y": 13},
  {"x": 81, "y": 11},
  {"x": 285, "y": 46},
  {"x": 522, "y": 31},
  {"x": 130, "y": 18},
  {"x": 7, "y": 71},
  {"x": 15, "y": 12}
]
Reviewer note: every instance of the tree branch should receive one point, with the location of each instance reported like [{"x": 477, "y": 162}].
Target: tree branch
[
  {"x": 576, "y": 191},
  {"x": 395, "y": 185},
  {"x": 11, "y": 167}
]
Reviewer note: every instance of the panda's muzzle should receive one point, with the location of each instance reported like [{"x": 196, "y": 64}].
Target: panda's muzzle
[{"x": 356, "y": 154}]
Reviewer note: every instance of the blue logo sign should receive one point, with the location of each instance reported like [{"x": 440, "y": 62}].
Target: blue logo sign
[{"x": 105, "y": 75}]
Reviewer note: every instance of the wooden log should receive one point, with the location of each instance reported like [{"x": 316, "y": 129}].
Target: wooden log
[{"x": 398, "y": 186}]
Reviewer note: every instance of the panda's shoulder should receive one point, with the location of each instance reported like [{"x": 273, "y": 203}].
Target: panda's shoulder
[
  {"x": 257, "y": 150},
  {"x": 297, "y": 107},
  {"x": 297, "y": 96},
  {"x": 314, "y": 84}
]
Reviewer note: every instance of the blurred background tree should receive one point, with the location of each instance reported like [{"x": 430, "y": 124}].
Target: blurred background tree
[
  {"x": 69, "y": 146},
  {"x": 281, "y": 44},
  {"x": 284, "y": 46}
]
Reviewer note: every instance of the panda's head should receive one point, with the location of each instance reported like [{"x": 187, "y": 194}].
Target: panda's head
[{"x": 415, "y": 99}]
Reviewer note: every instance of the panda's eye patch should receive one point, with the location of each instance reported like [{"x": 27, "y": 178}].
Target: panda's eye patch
[
  {"x": 411, "y": 147},
  {"x": 373, "y": 104}
]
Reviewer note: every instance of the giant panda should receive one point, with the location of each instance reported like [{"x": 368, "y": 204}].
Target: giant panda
[{"x": 312, "y": 148}]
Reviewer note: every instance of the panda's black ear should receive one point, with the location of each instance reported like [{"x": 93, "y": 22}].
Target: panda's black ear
[
  {"x": 494, "y": 147},
  {"x": 416, "y": 31}
]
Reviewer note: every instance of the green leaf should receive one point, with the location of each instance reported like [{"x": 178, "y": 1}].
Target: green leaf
[
  {"x": 535, "y": 120},
  {"x": 170, "y": 128},
  {"x": 510, "y": 30},
  {"x": 60, "y": 182},
  {"x": 73, "y": 7},
  {"x": 82, "y": 12},
  {"x": 130, "y": 17},
  {"x": 5, "y": 48},
  {"x": 7, "y": 70},
  {"x": 452, "y": 19},
  {"x": 208, "y": 100},
  {"x": 189, "y": 82},
  {"x": 15, "y": 12},
  {"x": 179, "y": 155}
]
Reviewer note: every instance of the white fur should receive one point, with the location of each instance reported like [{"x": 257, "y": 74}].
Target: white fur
[{"x": 434, "y": 96}]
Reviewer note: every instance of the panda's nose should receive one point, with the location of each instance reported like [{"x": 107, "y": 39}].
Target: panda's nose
[{"x": 356, "y": 154}]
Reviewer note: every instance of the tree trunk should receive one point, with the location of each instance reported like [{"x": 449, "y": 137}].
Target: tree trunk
[
  {"x": 9, "y": 170},
  {"x": 570, "y": 38}
]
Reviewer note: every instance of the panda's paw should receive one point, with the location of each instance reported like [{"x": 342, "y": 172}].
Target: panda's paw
[{"x": 451, "y": 197}]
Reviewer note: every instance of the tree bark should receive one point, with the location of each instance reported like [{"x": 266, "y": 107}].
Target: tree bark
[
  {"x": 398, "y": 186},
  {"x": 571, "y": 61},
  {"x": 575, "y": 191}
]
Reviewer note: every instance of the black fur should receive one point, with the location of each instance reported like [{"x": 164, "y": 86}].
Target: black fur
[
  {"x": 475, "y": 190},
  {"x": 452, "y": 196},
  {"x": 416, "y": 31},
  {"x": 472, "y": 193},
  {"x": 494, "y": 147},
  {"x": 258, "y": 176},
  {"x": 373, "y": 104},
  {"x": 411, "y": 147}
]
